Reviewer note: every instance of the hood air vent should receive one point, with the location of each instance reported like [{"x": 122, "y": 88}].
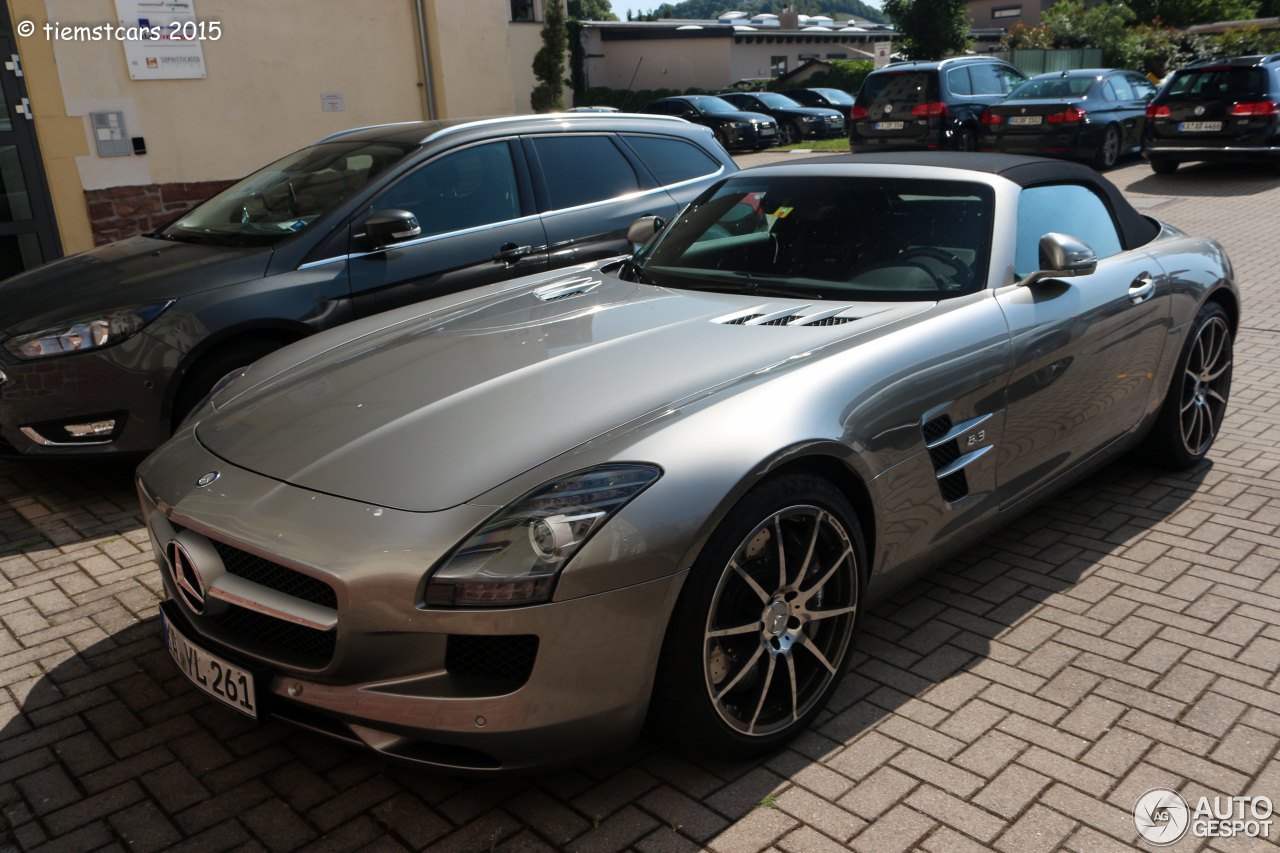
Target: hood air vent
[
  {"x": 565, "y": 289},
  {"x": 792, "y": 316}
]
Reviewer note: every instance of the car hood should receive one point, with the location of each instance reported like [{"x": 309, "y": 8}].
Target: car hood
[
  {"x": 432, "y": 411},
  {"x": 742, "y": 115},
  {"x": 119, "y": 275},
  {"x": 812, "y": 112}
]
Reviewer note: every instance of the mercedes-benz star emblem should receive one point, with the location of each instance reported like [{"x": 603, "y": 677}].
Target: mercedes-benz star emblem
[
  {"x": 185, "y": 576},
  {"x": 1199, "y": 110},
  {"x": 207, "y": 479}
]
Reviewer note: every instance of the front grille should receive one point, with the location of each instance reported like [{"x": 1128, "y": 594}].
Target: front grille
[
  {"x": 311, "y": 647},
  {"x": 274, "y": 576},
  {"x": 954, "y": 486},
  {"x": 508, "y": 657},
  {"x": 937, "y": 428}
]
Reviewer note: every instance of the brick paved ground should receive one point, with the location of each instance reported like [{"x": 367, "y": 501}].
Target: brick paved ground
[{"x": 1124, "y": 636}]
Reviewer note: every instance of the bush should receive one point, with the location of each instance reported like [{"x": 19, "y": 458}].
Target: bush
[
  {"x": 603, "y": 96},
  {"x": 844, "y": 74}
]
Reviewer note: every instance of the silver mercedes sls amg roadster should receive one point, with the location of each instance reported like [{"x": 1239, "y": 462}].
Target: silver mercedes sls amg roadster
[{"x": 501, "y": 529}]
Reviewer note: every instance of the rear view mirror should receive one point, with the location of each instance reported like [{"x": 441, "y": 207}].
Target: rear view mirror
[
  {"x": 643, "y": 229},
  {"x": 1062, "y": 256},
  {"x": 386, "y": 227}
]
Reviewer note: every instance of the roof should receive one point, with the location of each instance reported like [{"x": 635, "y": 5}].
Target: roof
[
  {"x": 934, "y": 64},
  {"x": 419, "y": 132},
  {"x": 1136, "y": 229}
]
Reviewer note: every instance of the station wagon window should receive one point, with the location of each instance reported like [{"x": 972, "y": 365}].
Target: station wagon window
[
  {"x": 466, "y": 189},
  {"x": 1069, "y": 209},
  {"x": 583, "y": 169},
  {"x": 672, "y": 160},
  {"x": 986, "y": 81},
  {"x": 958, "y": 81}
]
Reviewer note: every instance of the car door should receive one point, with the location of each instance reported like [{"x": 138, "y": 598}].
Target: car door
[
  {"x": 475, "y": 208},
  {"x": 589, "y": 190},
  {"x": 1084, "y": 348},
  {"x": 1126, "y": 108},
  {"x": 1144, "y": 92}
]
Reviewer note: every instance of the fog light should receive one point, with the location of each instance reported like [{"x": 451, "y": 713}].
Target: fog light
[
  {"x": 97, "y": 428},
  {"x": 93, "y": 428}
]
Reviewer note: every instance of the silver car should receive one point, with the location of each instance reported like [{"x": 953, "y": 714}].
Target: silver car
[{"x": 501, "y": 529}]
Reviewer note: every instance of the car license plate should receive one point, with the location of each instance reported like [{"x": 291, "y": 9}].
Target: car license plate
[
  {"x": 767, "y": 131},
  {"x": 890, "y": 125},
  {"x": 1024, "y": 120},
  {"x": 223, "y": 681},
  {"x": 1199, "y": 126}
]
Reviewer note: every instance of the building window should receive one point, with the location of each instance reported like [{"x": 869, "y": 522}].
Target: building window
[
  {"x": 522, "y": 10},
  {"x": 805, "y": 57},
  {"x": 777, "y": 66},
  {"x": 1007, "y": 12},
  {"x": 837, "y": 56}
]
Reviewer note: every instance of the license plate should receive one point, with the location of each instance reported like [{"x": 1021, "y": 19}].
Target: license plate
[
  {"x": 890, "y": 125},
  {"x": 768, "y": 131},
  {"x": 224, "y": 681},
  {"x": 1199, "y": 126},
  {"x": 1024, "y": 120}
]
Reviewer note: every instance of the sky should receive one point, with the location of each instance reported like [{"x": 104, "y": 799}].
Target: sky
[{"x": 620, "y": 7}]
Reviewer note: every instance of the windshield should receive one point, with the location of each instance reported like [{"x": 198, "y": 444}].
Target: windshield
[
  {"x": 1054, "y": 87},
  {"x": 835, "y": 96},
  {"x": 1217, "y": 83},
  {"x": 713, "y": 106},
  {"x": 776, "y": 101},
  {"x": 287, "y": 196},
  {"x": 878, "y": 239}
]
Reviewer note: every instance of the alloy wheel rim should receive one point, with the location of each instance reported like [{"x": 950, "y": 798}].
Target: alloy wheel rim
[
  {"x": 1111, "y": 148},
  {"x": 1206, "y": 384},
  {"x": 780, "y": 620},
  {"x": 788, "y": 135}
]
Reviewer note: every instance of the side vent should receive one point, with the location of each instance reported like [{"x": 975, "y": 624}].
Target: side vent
[
  {"x": 743, "y": 320},
  {"x": 830, "y": 321},
  {"x": 566, "y": 289},
  {"x": 942, "y": 438}
]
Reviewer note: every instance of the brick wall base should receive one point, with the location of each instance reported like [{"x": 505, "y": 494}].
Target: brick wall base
[{"x": 119, "y": 212}]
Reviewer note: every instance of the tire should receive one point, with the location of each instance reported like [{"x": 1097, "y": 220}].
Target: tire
[
  {"x": 745, "y": 693},
  {"x": 1109, "y": 151},
  {"x": 1196, "y": 401},
  {"x": 966, "y": 140},
  {"x": 214, "y": 365},
  {"x": 788, "y": 133},
  {"x": 723, "y": 139},
  {"x": 1164, "y": 167}
]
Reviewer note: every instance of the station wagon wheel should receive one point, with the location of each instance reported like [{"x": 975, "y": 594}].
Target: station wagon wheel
[
  {"x": 1196, "y": 402},
  {"x": 966, "y": 140},
  {"x": 761, "y": 634},
  {"x": 1109, "y": 151}
]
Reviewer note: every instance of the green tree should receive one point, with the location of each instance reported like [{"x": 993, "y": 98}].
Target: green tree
[
  {"x": 930, "y": 29},
  {"x": 591, "y": 10},
  {"x": 548, "y": 62},
  {"x": 1184, "y": 13},
  {"x": 1069, "y": 25}
]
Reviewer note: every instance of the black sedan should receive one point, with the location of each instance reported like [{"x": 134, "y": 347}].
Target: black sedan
[
  {"x": 1090, "y": 114},
  {"x": 795, "y": 122},
  {"x": 832, "y": 99},
  {"x": 733, "y": 127}
]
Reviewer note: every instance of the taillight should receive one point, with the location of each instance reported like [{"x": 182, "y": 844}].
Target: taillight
[
  {"x": 937, "y": 108},
  {"x": 1257, "y": 108},
  {"x": 856, "y": 113},
  {"x": 989, "y": 117},
  {"x": 1068, "y": 116},
  {"x": 1158, "y": 112}
]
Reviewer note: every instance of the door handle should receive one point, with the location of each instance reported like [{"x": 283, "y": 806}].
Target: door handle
[
  {"x": 510, "y": 253},
  {"x": 1142, "y": 288}
]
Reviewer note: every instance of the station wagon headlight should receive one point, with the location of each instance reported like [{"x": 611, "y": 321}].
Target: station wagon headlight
[
  {"x": 93, "y": 332},
  {"x": 517, "y": 555}
]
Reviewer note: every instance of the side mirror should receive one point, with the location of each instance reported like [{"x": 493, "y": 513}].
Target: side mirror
[
  {"x": 1062, "y": 256},
  {"x": 386, "y": 227},
  {"x": 643, "y": 229}
]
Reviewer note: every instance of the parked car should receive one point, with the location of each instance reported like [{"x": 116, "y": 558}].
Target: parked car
[
  {"x": 732, "y": 126},
  {"x": 795, "y": 122},
  {"x": 1092, "y": 114},
  {"x": 107, "y": 351},
  {"x": 835, "y": 99},
  {"x": 923, "y": 105},
  {"x": 492, "y": 531},
  {"x": 1227, "y": 111}
]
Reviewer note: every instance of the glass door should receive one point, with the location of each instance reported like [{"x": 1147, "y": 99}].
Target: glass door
[{"x": 28, "y": 236}]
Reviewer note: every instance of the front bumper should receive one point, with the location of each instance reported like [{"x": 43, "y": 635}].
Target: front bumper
[{"x": 385, "y": 675}]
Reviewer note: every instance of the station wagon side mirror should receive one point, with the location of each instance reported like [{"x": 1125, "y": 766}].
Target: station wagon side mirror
[
  {"x": 643, "y": 229},
  {"x": 1062, "y": 256},
  {"x": 387, "y": 227}
]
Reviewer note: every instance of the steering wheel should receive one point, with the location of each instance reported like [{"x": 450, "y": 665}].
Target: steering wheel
[{"x": 963, "y": 276}]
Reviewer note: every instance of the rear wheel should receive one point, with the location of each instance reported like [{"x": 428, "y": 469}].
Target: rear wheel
[
  {"x": 966, "y": 140},
  {"x": 1109, "y": 151},
  {"x": 761, "y": 633},
  {"x": 1196, "y": 401},
  {"x": 1164, "y": 167}
]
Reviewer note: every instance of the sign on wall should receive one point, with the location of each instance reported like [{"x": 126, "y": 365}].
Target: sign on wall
[
  {"x": 882, "y": 50},
  {"x": 170, "y": 44}
]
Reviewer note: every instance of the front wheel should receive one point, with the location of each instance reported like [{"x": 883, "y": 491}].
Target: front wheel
[
  {"x": 761, "y": 633},
  {"x": 1196, "y": 401},
  {"x": 788, "y": 133},
  {"x": 1164, "y": 167}
]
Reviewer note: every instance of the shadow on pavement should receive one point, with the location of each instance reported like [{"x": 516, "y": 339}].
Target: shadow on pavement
[{"x": 1217, "y": 180}]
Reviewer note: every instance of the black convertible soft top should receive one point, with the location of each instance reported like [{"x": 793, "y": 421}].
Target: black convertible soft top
[{"x": 1135, "y": 229}]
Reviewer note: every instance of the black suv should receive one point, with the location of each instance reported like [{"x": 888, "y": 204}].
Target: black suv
[
  {"x": 1223, "y": 110},
  {"x": 106, "y": 351},
  {"x": 920, "y": 105}
]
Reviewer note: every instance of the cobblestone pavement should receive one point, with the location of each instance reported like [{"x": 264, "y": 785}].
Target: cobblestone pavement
[{"x": 1122, "y": 637}]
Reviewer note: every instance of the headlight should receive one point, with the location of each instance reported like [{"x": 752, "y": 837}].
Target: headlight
[
  {"x": 93, "y": 332},
  {"x": 517, "y": 555},
  {"x": 739, "y": 125}
]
